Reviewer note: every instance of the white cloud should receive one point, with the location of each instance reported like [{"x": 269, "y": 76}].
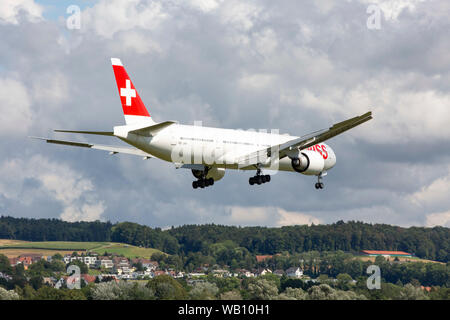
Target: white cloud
[
  {"x": 297, "y": 67},
  {"x": 239, "y": 15},
  {"x": 74, "y": 192},
  {"x": 205, "y": 5},
  {"x": 438, "y": 219},
  {"x": 296, "y": 218},
  {"x": 256, "y": 81},
  {"x": 50, "y": 88},
  {"x": 10, "y": 10},
  {"x": 269, "y": 216},
  {"x": 15, "y": 107},
  {"x": 87, "y": 212},
  {"x": 433, "y": 195},
  {"x": 106, "y": 18}
]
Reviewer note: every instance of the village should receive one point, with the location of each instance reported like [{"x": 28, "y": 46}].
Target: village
[{"x": 114, "y": 267}]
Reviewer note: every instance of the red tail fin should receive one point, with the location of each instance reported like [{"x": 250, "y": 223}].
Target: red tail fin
[{"x": 134, "y": 109}]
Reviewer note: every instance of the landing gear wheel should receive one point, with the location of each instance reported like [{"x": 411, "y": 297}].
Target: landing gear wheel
[
  {"x": 317, "y": 185},
  {"x": 251, "y": 181},
  {"x": 194, "y": 184},
  {"x": 211, "y": 181},
  {"x": 259, "y": 180},
  {"x": 206, "y": 182},
  {"x": 321, "y": 185},
  {"x": 201, "y": 183},
  {"x": 267, "y": 178}
]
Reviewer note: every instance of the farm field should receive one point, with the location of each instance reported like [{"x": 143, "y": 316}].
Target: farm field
[{"x": 14, "y": 248}]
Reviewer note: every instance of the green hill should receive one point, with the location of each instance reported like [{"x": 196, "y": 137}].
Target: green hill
[{"x": 46, "y": 247}]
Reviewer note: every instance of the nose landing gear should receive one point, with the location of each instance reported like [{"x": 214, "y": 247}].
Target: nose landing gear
[{"x": 319, "y": 184}]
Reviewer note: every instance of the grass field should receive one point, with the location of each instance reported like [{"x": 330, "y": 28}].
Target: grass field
[{"x": 14, "y": 248}]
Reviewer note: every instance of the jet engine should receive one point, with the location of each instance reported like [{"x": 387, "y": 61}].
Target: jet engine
[{"x": 308, "y": 162}]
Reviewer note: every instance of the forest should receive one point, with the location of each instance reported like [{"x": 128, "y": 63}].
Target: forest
[{"x": 351, "y": 236}]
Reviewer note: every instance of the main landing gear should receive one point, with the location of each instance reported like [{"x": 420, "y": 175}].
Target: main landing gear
[
  {"x": 259, "y": 178},
  {"x": 319, "y": 184},
  {"x": 202, "y": 183}
]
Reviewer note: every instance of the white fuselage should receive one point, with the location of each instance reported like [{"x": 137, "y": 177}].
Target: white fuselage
[{"x": 214, "y": 146}]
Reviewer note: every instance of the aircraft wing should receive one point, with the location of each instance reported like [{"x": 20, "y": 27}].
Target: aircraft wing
[
  {"x": 303, "y": 142},
  {"x": 111, "y": 149}
]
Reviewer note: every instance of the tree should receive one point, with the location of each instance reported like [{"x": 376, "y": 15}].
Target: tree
[
  {"x": 57, "y": 256},
  {"x": 325, "y": 292},
  {"x": 409, "y": 292},
  {"x": 36, "y": 282},
  {"x": 138, "y": 266},
  {"x": 8, "y": 294},
  {"x": 121, "y": 291},
  {"x": 166, "y": 288},
  {"x": 293, "y": 294},
  {"x": 5, "y": 266},
  {"x": 344, "y": 281},
  {"x": 204, "y": 291},
  {"x": 231, "y": 295},
  {"x": 262, "y": 289}
]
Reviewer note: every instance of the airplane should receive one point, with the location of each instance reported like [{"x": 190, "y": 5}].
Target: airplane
[{"x": 208, "y": 152}]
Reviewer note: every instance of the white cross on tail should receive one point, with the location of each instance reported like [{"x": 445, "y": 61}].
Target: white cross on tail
[{"x": 127, "y": 92}]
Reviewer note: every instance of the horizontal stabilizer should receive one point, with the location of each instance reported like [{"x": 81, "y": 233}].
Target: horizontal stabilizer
[
  {"x": 111, "y": 149},
  {"x": 100, "y": 133},
  {"x": 152, "y": 130}
]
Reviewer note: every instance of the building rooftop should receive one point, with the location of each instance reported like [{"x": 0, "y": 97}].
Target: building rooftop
[{"x": 400, "y": 253}]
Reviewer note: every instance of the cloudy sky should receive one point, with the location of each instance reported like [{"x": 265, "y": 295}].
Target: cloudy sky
[{"x": 296, "y": 66}]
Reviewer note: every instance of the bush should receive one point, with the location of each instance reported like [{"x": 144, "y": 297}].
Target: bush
[
  {"x": 8, "y": 294},
  {"x": 122, "y": 291},
  {"x": 167, "y": 288},
  {"x": 204, "y": 291}
]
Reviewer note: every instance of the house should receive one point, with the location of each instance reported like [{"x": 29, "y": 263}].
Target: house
[
  {"x": 104, "y": 262},
  {"x": 278, "y": 272},
  {"x": 25, "y": 259},
  {"x": 196, "y": 274},
  {"x": 13, "y": 261},
  {"x": 245, "y": 273},
  {"x": 88, "y": 278},
  {"x": 262, "y": 271},
  {"x": 221, "y": 273},
  {"x": 294, "y": 272},
  {"x": 158, "y": 273},
  {"x": 90, "y": 261},
  {"x": 386, "y": 254},
  {"x": 261, "y": 258},
  {"x": 51, "y": 281},
  {"x": 146, "y": 263},
  {"x": 5, "y": 276}
]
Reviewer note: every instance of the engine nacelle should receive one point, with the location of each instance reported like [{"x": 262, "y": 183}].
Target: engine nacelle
[
  {"x": 215, "y": 173},
  {"x": 308, "y": 162}
]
